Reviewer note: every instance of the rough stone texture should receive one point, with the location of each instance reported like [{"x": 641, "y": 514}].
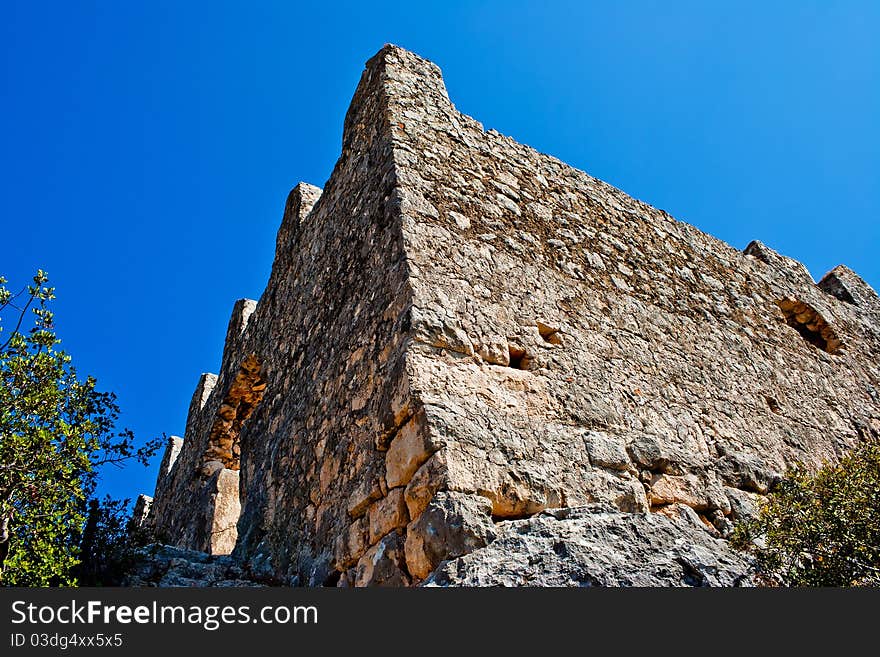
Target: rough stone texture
[
  {"x": 168, "y": 566},
  {"x": 494, "y": 333},
  {"x": 140, "y": 515},
  {"x": 743, "y": 505},
  {"x": 384, "y": 564},
  {"x": 172, "y": 451},
  {"x": 846, "y": 285},
  {"x": 197, "y": 507},
  {"x": 411, "y": 447},
  {"x": 387, "y": 514},
  {"x": 587, "y": 547},
  {"x": 453, "y": 524}
]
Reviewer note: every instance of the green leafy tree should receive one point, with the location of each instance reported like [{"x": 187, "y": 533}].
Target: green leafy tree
[
  {"x": 820, "y": 529},
  {"x": 56, "y": 431}
]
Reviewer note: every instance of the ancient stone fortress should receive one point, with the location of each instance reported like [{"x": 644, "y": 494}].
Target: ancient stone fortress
[{"x": 476, "y": 365}]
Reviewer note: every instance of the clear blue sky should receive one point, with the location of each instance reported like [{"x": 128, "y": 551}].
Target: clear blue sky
[{"x": 148, "y": 147}]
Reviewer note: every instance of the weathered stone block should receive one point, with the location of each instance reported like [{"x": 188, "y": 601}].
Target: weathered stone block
[
  {"x": 588, "y": 548},
  {"x": 387, "y": 514},
  {"x": 412, "y": 446},
  {"x": 366, "y": 492},
  {"x": 384, "y": 564},
  {"x": 663, "y": 453},
  {"x": 141, "y": 512},
  {"x": 743, "y": 504},
  {"x": 453, "y": 524},
  {"x": 227, "y": 508},
  {"x": 352, "y": 543},
  {"x": 427, "y": 480},
  {"x": 687, "y": 489},
  {"x": 747, "y": 471},
  {"x": 607, "y": 451}
]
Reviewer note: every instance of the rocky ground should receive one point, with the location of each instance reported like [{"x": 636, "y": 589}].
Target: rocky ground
[
  {"x": 598, "y": 546},
  {"x": 584, "y": 546},
  {"x": 168, "y": 566}
]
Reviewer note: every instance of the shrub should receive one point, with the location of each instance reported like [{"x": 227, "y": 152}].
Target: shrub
[{"x": 822, "y": 528}]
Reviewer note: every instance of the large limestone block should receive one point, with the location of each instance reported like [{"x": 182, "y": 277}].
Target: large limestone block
[
  {"x": 411, "y": 447},
  {"x": 384, "y": 564},
  {"x": 227, "y": 508},
  {"x": 453, "y": 524}
]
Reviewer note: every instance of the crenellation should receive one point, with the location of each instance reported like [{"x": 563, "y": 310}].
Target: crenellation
[
  {"x": 778, "y": 263},
  {"x": 169, "y": 459},
  {"x": 204, "y": 388},
  {"x": 847, "y": 286},
  {"x": 238, "y": 322},
  {"x": 140, "y": 515},
  {"x": 300, "y": 201}
]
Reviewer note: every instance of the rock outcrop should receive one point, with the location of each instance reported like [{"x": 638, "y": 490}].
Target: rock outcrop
[
  {"x": 460, "y": 333},
  {"x": 597, "y": 547},
  {"x": 168, "y": 566}
]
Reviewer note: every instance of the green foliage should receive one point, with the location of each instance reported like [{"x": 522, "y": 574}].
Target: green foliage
[
  {"x": 821, "y": 529},
  {"x": 56, "y": 430}
]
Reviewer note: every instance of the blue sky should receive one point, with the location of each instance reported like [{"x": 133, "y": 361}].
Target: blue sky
[{"x": 148, "y": 147}]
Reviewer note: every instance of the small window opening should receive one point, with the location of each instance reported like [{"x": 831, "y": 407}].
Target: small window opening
[
  {"x": 772, "y": 404},
  {"x": 518, "y": 357},
  {"x": 812, "y": 327}
]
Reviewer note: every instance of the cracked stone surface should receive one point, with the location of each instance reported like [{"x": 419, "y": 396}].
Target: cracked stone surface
[{"x": 588, "y": 547}]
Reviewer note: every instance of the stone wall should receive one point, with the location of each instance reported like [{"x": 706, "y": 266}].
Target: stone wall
[{"x": 459, "y": 333}]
